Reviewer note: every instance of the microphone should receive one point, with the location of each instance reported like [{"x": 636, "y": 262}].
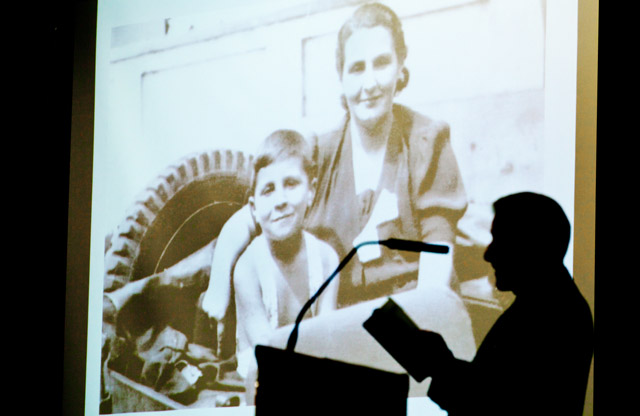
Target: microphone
[{"x": 392, "y": 243}]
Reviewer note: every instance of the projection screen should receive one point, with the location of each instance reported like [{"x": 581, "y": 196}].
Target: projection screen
[{"x": 186, "y": 92}]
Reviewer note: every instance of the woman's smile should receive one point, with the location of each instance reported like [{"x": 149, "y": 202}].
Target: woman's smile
[{"x": 371, "y": 100}]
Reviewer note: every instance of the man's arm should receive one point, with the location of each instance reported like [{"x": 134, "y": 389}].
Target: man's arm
[
  {"x": 449, "y": 390},
  {"x": 449, "y": 376}
]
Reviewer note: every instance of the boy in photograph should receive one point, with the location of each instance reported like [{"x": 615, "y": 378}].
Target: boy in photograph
[{"x": 284, "y": 265}]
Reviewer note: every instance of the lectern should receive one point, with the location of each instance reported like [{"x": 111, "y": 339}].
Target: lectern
[{"x": 291, "y": 383}]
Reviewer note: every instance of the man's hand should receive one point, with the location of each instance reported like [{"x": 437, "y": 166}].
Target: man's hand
[{"x": 437, "y": 356}]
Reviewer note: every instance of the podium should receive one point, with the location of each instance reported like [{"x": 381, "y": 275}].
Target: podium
[{"x": 291, "y": 383}]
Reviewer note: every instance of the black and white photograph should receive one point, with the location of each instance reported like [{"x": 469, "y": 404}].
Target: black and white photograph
[{"x": 243, "y": 148}]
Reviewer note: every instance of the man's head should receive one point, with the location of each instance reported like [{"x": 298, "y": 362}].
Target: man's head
[
  {"x": 283, "y": 184},
  {"x": 530, "y": 234}
]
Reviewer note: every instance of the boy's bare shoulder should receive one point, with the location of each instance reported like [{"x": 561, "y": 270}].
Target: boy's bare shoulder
[
  {"x": 329, "y": 255},
  {"x": 248, "y": 261}
]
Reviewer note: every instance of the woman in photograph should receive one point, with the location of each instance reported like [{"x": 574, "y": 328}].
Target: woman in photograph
[{"x": 385, "y": 171}]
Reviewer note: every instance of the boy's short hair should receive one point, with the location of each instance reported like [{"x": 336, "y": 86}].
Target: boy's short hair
[{"x": 281, "y": 145}]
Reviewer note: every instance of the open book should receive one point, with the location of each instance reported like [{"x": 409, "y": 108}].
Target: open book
[{"x": 399, "y": 336}]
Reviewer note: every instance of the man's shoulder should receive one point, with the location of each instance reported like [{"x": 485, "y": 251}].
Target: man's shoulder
[{"x": 560, "y": 311}]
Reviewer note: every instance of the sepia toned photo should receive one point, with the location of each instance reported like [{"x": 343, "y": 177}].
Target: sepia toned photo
[{"x": 242, "y": 149}]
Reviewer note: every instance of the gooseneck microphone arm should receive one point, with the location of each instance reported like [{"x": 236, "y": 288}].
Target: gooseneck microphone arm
[{"x": 392, "y": 243}]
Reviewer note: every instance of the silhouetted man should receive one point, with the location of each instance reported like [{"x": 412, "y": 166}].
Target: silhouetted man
[{"x": 535, "y": 360}]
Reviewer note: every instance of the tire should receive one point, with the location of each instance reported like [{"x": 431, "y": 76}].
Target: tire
[{"x": 180, "y": 212}]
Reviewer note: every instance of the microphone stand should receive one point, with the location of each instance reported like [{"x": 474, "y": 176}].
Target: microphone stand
[{"x": 392, "y": 243}]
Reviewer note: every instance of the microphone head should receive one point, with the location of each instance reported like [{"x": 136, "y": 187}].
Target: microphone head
[{"x": 410, "y": 245}]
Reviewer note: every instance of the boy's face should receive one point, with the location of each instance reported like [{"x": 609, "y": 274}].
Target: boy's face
[{"x": 281, "y": 197}]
